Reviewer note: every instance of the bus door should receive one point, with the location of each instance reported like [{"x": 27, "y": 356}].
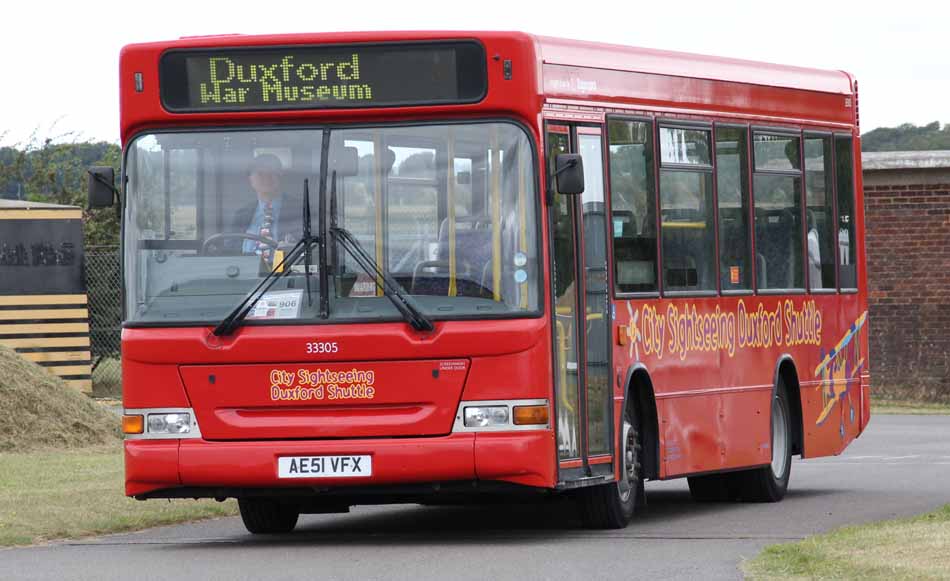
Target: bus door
[{"x": 583, "y": 398}]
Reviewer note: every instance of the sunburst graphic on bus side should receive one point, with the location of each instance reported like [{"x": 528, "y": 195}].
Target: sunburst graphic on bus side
[{"x": 632, "y": 331}]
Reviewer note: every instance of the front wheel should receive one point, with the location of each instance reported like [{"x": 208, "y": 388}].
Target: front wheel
[
  {"x": 268, "y": 516},
  {"x": 611, "y": 506}
]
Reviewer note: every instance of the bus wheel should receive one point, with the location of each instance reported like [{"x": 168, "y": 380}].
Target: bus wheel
[
  {"x": 769, "y": 483},
  {"x": 268, "y": 516},
  {"x": 611, "y": 506}
]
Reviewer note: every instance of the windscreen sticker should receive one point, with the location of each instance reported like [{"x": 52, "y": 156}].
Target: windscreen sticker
[{"x": 283, "y": 304}]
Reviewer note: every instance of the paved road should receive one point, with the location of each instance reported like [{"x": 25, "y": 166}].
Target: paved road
[{"x": 901, "y": 466}]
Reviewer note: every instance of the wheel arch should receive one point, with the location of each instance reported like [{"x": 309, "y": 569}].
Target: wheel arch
[
  {"x": 787, "y": 371},
  {"x": 638, "y": 387}
]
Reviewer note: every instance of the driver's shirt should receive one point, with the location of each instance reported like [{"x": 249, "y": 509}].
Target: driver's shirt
[{"x": 250, "y": 246}]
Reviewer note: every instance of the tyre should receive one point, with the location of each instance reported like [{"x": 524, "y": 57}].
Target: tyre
[
  {"x": 268, "y": 516},
  {"x": 769, "y": 483},
  {"x": 611, "y": 506}
]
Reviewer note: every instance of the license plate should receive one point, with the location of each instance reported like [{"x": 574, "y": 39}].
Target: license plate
[{"x": 324, "y": 466}]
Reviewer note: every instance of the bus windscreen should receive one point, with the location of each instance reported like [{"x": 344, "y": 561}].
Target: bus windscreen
[{"x": 323, "y": 77}]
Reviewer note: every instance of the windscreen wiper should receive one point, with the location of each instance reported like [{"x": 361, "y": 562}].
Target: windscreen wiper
[
  {"x": 391, "y": 289},
  {"x": 302, "y": 247}
]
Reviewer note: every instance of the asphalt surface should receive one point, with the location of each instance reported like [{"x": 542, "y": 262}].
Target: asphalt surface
[{"x": 900, "y": 466}]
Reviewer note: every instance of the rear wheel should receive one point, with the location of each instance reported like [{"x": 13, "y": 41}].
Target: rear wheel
[
  {"x": 769, "y": 483},
  {"x": 268, "y": 516},
  {"x": 611, "y": 506}
]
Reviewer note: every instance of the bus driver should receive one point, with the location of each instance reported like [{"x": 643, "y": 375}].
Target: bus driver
[{"x": 272, "y": 215}]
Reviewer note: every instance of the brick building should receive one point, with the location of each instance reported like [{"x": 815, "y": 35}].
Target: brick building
[{"x": 907, "y": 204}]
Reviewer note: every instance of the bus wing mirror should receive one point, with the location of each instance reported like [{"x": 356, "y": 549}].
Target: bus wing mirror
[
  {"x": 347, "y": 162},
  {"x": 101, "y": 187},
  {"x": 569, "y": 172}
]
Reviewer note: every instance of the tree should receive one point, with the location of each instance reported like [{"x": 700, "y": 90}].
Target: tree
[
  {"x": 45, "y": 171},
  {"x": 907, "y": 137}
]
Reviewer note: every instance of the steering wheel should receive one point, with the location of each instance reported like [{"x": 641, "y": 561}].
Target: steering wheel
[{"x": 213, "y": 244}]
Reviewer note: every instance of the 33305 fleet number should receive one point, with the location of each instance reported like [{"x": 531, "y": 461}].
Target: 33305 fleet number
[{"x": 317, "y": 347}]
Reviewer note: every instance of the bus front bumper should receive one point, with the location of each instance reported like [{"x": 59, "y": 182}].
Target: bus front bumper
[{"x": 160, "y": 467}]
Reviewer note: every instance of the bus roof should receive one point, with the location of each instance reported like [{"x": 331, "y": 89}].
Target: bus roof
[{"x": 681, "y": 64}]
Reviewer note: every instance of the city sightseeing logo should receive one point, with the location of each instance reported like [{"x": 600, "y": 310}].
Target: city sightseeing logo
[
  {"x": 322, "y": 384},
  {"x": 680, "y": 331}
]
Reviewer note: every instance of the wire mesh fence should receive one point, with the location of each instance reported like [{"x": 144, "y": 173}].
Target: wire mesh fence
[{"x": 104, "y": 288}]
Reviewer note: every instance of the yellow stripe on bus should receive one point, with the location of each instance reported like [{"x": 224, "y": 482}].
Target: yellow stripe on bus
[
  {"x": 57, "y": 356},
  {"x": 693, "y": 225},
  {"x": 37, "y": 328},
  {"x": 44, "y": 314},
  {"x": 17, "y": 300},
  {"x": 45, "y": 342},
  {"x": 41, "y": 215}
]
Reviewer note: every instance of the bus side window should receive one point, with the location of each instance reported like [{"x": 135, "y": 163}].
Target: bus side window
[
  {"x": 819, "y": 212},
  {"x": 844, "y": 166},
  {"x": 732, "y": 182},
  {"x": 777, "y": 194},
  {"x": 633, "y": 203},
  {"x": 687, "y": 213}
]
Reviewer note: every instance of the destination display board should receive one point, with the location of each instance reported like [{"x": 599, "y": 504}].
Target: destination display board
[{"x": 322, "y": 77}]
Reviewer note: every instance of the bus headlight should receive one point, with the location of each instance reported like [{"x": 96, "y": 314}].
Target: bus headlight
[
  {"x": 484, "y": 416},
  {"x": 176, "y": 423},
  {"x": 160, "y": 423},
  {"x": 502, "y": 415}
]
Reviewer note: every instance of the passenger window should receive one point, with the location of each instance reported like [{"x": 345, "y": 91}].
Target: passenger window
[
  {"x": 684, "y": 146},
  {"x": 777, "y": 194},
  {"x": 688, "y": 228},
  {"x": 844, "y": 169},
  {"x": 776, "y": 153},
  {"x": 819, "y": 213},
  {"x": 732, "y": 179},
  {"x": 633, "y": 203}
]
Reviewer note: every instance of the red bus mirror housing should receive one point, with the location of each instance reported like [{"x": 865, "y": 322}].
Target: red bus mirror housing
[
  {"x": 569, "y": 173},
  {"x": 100, "y": 187}
]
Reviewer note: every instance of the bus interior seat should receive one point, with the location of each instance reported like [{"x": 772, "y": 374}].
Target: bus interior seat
[
  {"x": 685, "y": 269},
  {"x": 775, "y": 238},
  {"x": 634, "y": 254},
  {"x": 472, "y": 254}
]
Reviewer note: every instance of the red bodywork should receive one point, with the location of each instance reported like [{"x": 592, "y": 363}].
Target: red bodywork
[{"x": 712, "y": 406}]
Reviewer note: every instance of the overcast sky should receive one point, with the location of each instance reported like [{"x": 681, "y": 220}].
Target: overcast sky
[{"x": 59, "y": 60}]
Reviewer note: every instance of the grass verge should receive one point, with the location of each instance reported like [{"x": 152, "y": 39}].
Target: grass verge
[
  {"x": 904, "y": 407},
  {"x": 911, "y": 548},
  {"x": 48, "y": 495}
]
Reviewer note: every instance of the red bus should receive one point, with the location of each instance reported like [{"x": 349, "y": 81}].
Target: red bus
[{"x": 420, "y": 266}]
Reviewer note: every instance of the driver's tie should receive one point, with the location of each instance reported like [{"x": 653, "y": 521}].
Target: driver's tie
[{"x": 267, "y": 224}]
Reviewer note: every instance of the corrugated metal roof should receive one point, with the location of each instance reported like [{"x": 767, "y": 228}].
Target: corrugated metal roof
[{"x": 883, "y": 160}]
